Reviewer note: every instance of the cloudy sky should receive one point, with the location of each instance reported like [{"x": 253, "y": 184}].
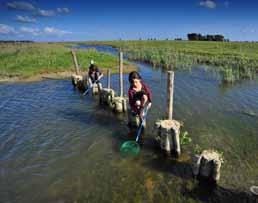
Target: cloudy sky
[{"x": 57, "y": 20}]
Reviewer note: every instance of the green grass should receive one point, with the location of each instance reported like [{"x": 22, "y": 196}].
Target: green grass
[
  {"x": 26, "y": 60},
  {"x": 233, "y": 60}
]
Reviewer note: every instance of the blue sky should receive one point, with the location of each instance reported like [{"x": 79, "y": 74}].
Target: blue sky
[{"x": 65, "y": 20}]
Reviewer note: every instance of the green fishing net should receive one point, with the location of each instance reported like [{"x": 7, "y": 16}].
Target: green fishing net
[{"x": 130, "y": 148}]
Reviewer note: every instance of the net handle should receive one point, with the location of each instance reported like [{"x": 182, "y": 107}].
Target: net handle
[{"x": 145, "y": 110}]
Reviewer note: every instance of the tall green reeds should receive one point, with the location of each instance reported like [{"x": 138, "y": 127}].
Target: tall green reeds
[{"x": 234, "y": 60}]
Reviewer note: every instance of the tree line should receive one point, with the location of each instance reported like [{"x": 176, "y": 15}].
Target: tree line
[
  {"x": 199, "y": 37},
  {"x": 16, "y": 41}
]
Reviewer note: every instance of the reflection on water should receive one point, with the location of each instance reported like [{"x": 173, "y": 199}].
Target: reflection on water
[{"x": 56, "y": 146}]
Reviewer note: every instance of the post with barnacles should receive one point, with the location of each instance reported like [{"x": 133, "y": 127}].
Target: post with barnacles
[
  {"x": 206, "y": 166},
  {"x": 77, "y": 78},
  {"x": 119, "y": 103},
  {"x": 168, "y": 130},
  {"x": 107, "y": 94}
]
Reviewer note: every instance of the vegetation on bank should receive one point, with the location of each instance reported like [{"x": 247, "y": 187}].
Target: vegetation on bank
[
  {"x": 233, "y": 60},
  {"x": 24, "y": 60}
]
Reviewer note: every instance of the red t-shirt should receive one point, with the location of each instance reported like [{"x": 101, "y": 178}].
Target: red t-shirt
[{"x": 134, "y": 96}]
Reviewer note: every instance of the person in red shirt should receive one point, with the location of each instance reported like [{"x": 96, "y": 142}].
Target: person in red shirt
[{"x": 139, "y": 94}]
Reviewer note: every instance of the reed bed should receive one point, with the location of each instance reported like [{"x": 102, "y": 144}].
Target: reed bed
[{"x": 233, "y": 60}]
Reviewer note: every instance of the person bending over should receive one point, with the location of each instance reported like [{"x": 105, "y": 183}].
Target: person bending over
[
  {"x": 139, "y": 95},
  {"x": 94, "y": 74}
]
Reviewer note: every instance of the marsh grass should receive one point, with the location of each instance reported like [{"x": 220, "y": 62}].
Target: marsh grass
[
  {"x": 30, "y": 59},
  {"x": 233, "y": 60}
]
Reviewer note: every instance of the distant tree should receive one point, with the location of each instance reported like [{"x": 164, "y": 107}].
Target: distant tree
[
  {"x": 193, "y": 37},
  {"x": 199, "y": 37},
  {"x": 219, "y": 38},
  {"x": 16, "y": 41}
]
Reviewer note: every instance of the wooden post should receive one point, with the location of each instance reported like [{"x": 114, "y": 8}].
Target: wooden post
[
  {"x": 75, "y": 62},
  {"x": 168, "y": 136},
  {"x": 108, "y": 78},
  {"x": 169, "y": 130},
  {"x": 170, "y": 89},
  {"x": 207, "y": 165},
  {"x": 121, "y": 72}
]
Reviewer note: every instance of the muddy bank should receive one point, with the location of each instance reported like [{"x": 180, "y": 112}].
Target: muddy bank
[
  {"x": 39, "y": 77},
  {"x": 59, "y": 75}
]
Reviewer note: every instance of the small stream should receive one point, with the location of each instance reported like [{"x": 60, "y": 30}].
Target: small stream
[{"x": 58, "y": 146}]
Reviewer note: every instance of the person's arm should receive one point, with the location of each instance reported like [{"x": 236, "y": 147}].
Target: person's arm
[
  {"x": 99, "y": 74},
  {"x": 131, "y": 101},
  {"x": 91, "y": 74},
  {"x": 148, "y": 93},
  {"x": 130, "y": 97},
  {"x": 147, "y": 98}
]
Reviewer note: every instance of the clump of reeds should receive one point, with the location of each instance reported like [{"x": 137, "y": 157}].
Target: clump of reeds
[{"x": 233, "y": 60}]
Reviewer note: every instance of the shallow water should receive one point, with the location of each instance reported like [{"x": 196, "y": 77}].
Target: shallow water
[{"x": 57, "y": 146}]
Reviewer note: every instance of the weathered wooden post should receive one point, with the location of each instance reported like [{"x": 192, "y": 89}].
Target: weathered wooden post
[
  {"x": 119, "y": 103},
  {"x": 108, "y": 78},
  {"x": 169, "y": 129},
  {"x": 107, "y": 94},
  {"x": 77, "y": 79},
  {"x": 96, "y": 88},
  {"x": 206, "y": 166},
  {"x": 170, "y": 97},
  {"x": 77, "y": 71},
  {"x": 121, "y": 73}
]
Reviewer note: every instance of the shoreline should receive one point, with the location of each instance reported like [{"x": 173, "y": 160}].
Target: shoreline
[
  {"x": 38, "y": 77},
  {"x": 58, "y": 75}
]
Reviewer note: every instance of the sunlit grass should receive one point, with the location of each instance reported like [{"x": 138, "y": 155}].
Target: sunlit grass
[
  {"x": 234, "y": 60},
  {"x": 29, "y": 59}
]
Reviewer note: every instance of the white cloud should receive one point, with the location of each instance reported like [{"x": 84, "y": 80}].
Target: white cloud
[
  {"x": 25, "y": 19},
  {"x": 63, "y": 10},
  {"x": 54, "y": 31},
  {"x": 47, "y": 31},
  {"x": 208, "y": 4},
  {"x": 247, "y": 29},
  {"x": 6, "y": 29},
  {"x": 28, "y": 30},
  {"x": 45, "y": 13},
  {"x": 20, "y": 5}
]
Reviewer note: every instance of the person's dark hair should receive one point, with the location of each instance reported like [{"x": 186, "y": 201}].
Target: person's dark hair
[
  {"x": 134, "y": 75},
  {"x": 93, "y": 67}
]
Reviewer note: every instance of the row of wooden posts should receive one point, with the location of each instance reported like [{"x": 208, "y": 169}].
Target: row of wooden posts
[
  {"x": 205, "y": 165},
  {"x": 117, "y": 102}
]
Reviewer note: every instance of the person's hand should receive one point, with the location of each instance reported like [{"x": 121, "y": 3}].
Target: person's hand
[
  {"x": 149, "y": 105},
  {"x": 138, "y": 104},
  {"x": 100, "y": 76},
  {"x": 145, "y": 99}
]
